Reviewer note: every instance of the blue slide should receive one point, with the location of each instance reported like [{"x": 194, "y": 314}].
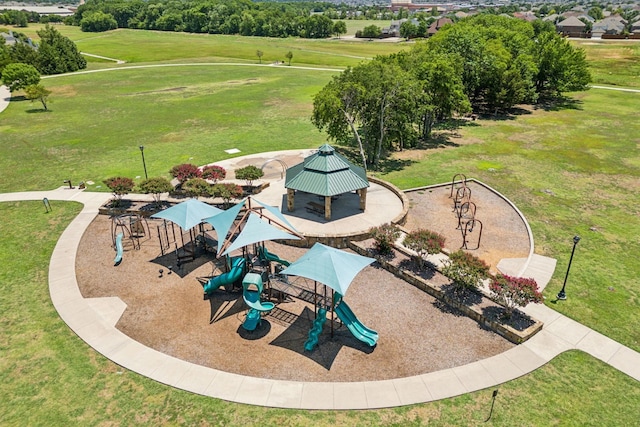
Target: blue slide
[
  {"x": 118, "y": 259},
  {"x": 251, "y": 291},
  {"x": 226, "y": 279},
  {"x": 364, "y": 334}
]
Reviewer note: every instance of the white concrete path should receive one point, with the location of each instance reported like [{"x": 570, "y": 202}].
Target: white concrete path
[
  {"x": 5, "y": 97},
  {"x": 93, "y": 320}
]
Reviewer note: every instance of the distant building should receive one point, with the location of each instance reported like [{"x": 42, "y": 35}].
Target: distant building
[
  {"x": 572, "y": 27},
  {"x": 42, "y": 10}
]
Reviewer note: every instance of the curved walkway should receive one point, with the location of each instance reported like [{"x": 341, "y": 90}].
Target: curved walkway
[{"x": 93, "y": 320}]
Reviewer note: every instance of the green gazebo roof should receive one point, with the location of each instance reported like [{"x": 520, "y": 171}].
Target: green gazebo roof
[{"x": 326, "y": 173}]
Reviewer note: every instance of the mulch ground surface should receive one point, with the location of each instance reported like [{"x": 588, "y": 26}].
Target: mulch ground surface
[{"x": 169, "y": 312}]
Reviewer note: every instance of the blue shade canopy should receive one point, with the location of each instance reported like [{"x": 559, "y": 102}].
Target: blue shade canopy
[
  {"x": 257, "y": 230},
  {"x": 223, "y": 222},
  {"x": 329, "y": 266},
  {"x": 275, "y": 212},
  {"x": 188, "y": 214}
]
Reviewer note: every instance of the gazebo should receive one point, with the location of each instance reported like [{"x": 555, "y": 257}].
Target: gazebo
[{"x": 326, "y": 174}]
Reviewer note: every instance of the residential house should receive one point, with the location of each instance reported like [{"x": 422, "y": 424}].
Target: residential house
[
  {"x": 436, "y": 25},
  {"x": 608, "y": 26},
  {"x": 572, "y": 27}
]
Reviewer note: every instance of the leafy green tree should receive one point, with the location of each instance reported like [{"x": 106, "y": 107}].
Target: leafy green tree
[
  {"x": 596, "y": 13},
  {"x": 289, "y": 56},
  {"x": 155, "y": 186},
  {"x": 249, "y": 173},
  {"x": 408, "y": 30},
  {"x": 18, "y": 76},
  {"x": 37, "y": 92},
  {"x": 97, "y": 22},
  {"x": 197, "y": 187},
  {"x": 23, "y": 52},
  {"x": 227, "y": 192},
  {"x": 57, "y": 54},
  {"x": 371, "y": 32},
  {"x": 561, "y": 67},
  {"x": 384, "y": 237},
  {"x": 339, "y": 28}
]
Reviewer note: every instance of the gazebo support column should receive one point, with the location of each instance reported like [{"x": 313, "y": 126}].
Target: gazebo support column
[
  {"x": 327, "y": 207},
  {"x": 290, "y": 199},
  {"x": 363, "y": 198}
]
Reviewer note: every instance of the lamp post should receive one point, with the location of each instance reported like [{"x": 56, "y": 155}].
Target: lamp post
[
  {"x": 143, "y": 162},
  {"x": 561, "y": 294}
]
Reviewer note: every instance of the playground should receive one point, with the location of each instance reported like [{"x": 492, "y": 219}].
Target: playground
[{"x": 168, "y": 311}]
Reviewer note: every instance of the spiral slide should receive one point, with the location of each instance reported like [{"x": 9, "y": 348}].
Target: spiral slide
[
  {"x": 360, "y": 331},
  {"x": 316, "y": 330}
]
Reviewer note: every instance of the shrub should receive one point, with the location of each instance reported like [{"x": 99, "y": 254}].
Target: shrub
[
  {"x": 214, "y": 173},
  {"x": 155, "y": 186},
  {"x": 466, "y": 271},
  {"x": 197, "y": 187},
  {"x": 185, "y": 171},
  {"x": 227, "y": 192},
  {"x": 384, "y": 236},
  {"x": 424, "y": 242},
  {"x": 120, "y": 186},
  {"x": 514, "y": 292},
  {"x": 249, "y": 174}
]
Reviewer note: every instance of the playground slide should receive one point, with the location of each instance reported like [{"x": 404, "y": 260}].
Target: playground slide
[
  {"x": 364, "y": 334},
  {"x": 316, "y": 330},
  {"x": 226, "y": 279},
  {"x": 251, "y": 290},
  {"x": 266, "y": 255},
  {"x": 118, "y": 259},
  {"x": 252, "y": 299}
]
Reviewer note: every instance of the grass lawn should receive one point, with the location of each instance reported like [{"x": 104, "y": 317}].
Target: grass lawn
[
  {"x": 50, "y": 377},
  {"x": 574, "y": 170},
  {"x": 613, "y": 62}
]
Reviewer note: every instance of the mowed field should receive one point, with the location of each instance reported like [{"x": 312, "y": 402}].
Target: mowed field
[{"x": 572, "y": 168}]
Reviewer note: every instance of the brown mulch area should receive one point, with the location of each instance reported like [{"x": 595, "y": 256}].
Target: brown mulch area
[{"x": 417, "y": 333}]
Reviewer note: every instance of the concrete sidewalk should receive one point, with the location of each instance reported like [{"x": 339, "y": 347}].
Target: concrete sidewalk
[
  {"x": 5, "y": 96},
  {"x": 93, "y": 320}
]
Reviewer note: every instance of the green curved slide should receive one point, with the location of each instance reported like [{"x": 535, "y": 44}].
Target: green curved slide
[
  {"x": 226, "y": 279},
  {"x": 251, "y": 290},
  {"x": 264, "y": 254},
  {"x": 118, "y": 259},
  {"x": 360, "y": 331}
]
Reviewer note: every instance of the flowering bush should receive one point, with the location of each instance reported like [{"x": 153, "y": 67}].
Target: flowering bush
[
  {"x": 466, "y": 271},
  {"x": 227, "y": 192},
  {"x": 514, "y": 292},
  {"x": 185, "y": 171},
  {"x": 384, "y": 236},
  {"x": 120, "y": 186},
  {"x": 424, "y": 242},
  {"x": 214, "y": 173}
]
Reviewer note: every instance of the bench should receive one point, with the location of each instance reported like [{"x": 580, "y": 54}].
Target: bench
[{"x": 315, "y": 208}]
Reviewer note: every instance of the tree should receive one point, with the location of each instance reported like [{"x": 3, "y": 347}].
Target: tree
[
  {"x": 408, "y": 30},
  {"x": 155, "y": 186},
  {"x": 185, "y": 172},
  {"x": 513, "y": 292},
  {"x": 259, "y": 53},
  {"x": 120, "y": 186},
  {"x": 289, "y": 56},
  {"x": 214, "y": 173},
  {"x": 371, "y": 32},
  {"x": 197, "y": 187},
  {"x": 339, "y": 28},
  {"x": 385, "y": 236},
  {"x": 18, "y": 76},
  {"x": 424, "y": 242},
  {"x": 57, "y": 54},
  {"x": 561, "y": 67},
  {"x": 466, "y": 271},
  {"x": 98, "y": 22},
  {"x": 249, "y": 173},
  {"x": 226, "y": 192},
  {"x": 38, "y": 92}
]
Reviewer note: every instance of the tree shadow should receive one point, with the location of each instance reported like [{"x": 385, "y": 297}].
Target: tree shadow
[
  {"x": 464, "y": 296},
  {"x": 518, "y": 320},
  {"x": 224, "y": 304},
  {"x": 38, "y": 110},
  {"x": 559, "y": 103},
  {"x": 18, "y": 98},
  {"x": 425, "y": 271}
]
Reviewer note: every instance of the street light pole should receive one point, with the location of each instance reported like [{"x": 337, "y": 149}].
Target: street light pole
[
  {"x": 561, "y": 294},
  {"x": 143, "y": 162}
]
